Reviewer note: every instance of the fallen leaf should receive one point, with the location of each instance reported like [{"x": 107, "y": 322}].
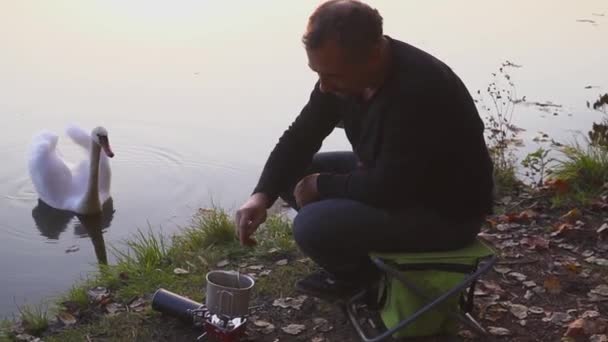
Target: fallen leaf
[
  {"x": 572, "y": 215},
  {"x": 529, "y": 283},
  {"x": 507, "y": 226},
  {"x": 599, "y": 205},
  {"x": 268, "y": 330},
  {"x": 535, "y": 242},
  {"x": 66, "y": 318},
  {"x": 494, "y": 313},
  {"x": 321, "y": 324},
  {"x": 590, "y": 314},
  {"x": 72, "y": 249},
  {"x": 527, "y": 214},
  {"x": 255, "y": 267},
  {"x": 508, "y": 243},
  {"x": 265, "y": 273},
  {"x": 575, "y": 328},
  {"x": 261, "y": 324},
  {"x": 27, "y": 337},
  {"x": 492, "y": 286},
  {"x": 518, "y": 310},
  {"x": 282, "y": 262},
  {"x": 598, "y": 338},
  {"x": 560, "y": 186},
  {"x": 273, "y": 250},
  {"x": 601, "y": 290},
  {"x": 518, "y": 276},
  {"x": 498, "y": 331},
  {"x": 587, "y": 253},
  {"x": 567, "y": 246},
  {"x": 558, "y": 318},
  {"x": 537, "y": 310},
  {"x": 178, "y": 271},
  {"x": 138, "y": 305},
  {"x": 466, "y": 334},
  {"x": 572, "y": 267},
  {"x": 97, "y": 294},
  {"x": 552, "y": 285},
  {"x": 289, "y": 302},
  {"x": 318, "y": 339},
  {"x": 294, "y": 329},
  {"x": 268, "y": 327},
  {"x": 491, "y": 223},
  {"x": 562, "y": 229},
  {"x": 223, "y": 263},
  {"x": 501, "y": 269},
  {"x": 113, "y": 308},
  {"x": 597, "y": 261}
]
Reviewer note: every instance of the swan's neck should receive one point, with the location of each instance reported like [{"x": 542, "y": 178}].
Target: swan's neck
[{"x": 90, "y": 202}]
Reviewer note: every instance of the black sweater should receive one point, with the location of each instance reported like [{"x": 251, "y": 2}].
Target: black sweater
[{"x": 420, "y": 140}]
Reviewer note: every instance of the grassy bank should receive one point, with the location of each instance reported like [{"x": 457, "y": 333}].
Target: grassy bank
[{"x": 114, "y": 303}]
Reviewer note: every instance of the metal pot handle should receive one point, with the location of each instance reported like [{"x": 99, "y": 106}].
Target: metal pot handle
[{"x": 221, "y": 295}]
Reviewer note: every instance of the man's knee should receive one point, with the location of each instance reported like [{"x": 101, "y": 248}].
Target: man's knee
[{"x": 310, "y": 230}]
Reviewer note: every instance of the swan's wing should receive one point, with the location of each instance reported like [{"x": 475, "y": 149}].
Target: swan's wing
[
  {"x": 79, "y": 136},
  {"x": 82, "y": 138},
  {"x": 49, "y": 173}
]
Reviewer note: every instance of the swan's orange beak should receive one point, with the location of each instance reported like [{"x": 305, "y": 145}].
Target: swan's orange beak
[{"x": 105, "y": 145}]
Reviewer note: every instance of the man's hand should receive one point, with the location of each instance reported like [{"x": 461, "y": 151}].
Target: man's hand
[
  {"x": 249, "y": 217},
  {"x": 306, "y": 190}
]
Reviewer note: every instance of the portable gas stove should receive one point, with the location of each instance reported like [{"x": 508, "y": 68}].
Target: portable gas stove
[{"x": 219, "y": 328}]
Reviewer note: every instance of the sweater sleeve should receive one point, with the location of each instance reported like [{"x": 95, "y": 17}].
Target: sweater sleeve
[
  {"x": 404, "y": 156},
  {"x": 298, "y": 144}
]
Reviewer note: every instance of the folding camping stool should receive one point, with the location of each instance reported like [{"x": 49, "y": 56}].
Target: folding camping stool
[{"x": 425, "y": 294}]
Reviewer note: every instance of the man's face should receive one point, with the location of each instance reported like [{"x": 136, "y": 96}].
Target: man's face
[{"x": 339, "y": 74}]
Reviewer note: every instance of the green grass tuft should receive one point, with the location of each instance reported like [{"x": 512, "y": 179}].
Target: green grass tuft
[
  {"x": 276, "y": 232},
  {"x": 5, "y": 330},
  {"x": 584, "y": 169},
  {"x": 77, "y": 295},
  {"x": 145, "y": 250},
  {"x": 34, "y": 319},
  {"x": 212, "y": 227}
]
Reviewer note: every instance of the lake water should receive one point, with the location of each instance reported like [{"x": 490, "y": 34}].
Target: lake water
[{"x": 194, "y": 95}]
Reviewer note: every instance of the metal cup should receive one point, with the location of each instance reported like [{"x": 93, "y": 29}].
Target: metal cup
[{"x": 228, "y": 293}]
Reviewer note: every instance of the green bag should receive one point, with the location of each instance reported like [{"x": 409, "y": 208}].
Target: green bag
[{"x": 400, "y": 302}]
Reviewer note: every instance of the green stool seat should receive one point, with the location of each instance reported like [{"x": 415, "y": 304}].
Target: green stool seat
[{"x": 423, "y": 292}]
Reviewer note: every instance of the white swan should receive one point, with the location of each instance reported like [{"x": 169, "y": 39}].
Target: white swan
[{"x": 81, "y": 189}]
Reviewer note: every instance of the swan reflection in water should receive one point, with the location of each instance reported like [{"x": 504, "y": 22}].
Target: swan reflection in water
[{"x": 52, "y": 222}]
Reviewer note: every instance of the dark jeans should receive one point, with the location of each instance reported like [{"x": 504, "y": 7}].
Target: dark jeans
[{"x": 338, "y": 234}]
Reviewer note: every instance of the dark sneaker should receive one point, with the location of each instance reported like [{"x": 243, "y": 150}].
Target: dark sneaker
[{"x": 323, "y": 285}]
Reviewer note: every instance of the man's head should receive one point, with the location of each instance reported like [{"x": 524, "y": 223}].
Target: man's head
[{"x": 344, "y": 43}]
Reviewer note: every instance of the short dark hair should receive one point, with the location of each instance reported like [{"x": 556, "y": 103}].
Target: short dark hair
[{"x": 355, "y": 26}]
